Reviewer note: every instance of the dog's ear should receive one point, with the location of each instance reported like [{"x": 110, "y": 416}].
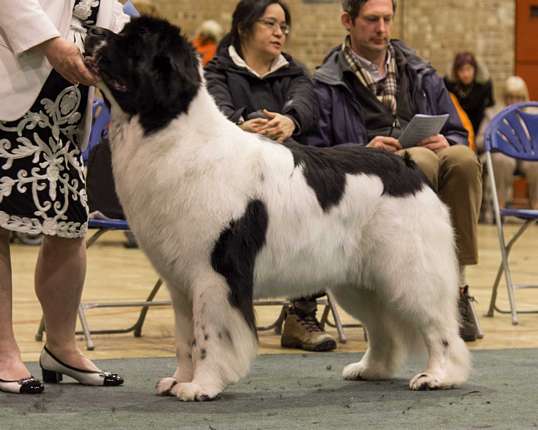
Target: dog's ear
[
  {"x": 171, "y": 82},
  {"x": 163, "y": 66}
]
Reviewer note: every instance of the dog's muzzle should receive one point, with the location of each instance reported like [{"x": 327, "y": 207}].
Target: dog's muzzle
[{"x": 96, "y": 38}]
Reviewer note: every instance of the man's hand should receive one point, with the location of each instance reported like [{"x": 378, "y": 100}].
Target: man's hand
[
  {"x": 386, "y": 143},
  {"x": 255, "y": 125},
  {"x": 279, "y": 127},
  {"x": 434, "y": 143},
  {"x": 67, "y": 60}
]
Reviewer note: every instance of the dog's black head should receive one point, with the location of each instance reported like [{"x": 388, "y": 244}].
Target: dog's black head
[{"x": 149, "y": 69}]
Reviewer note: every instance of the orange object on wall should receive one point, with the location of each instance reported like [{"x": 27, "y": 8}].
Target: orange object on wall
[{"x": 526, "y": 39}]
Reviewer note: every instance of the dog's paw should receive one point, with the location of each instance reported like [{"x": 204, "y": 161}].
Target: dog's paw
[
  {"x": 190, "y": 391},
  {"x": 359, "y": 371},
  {"x": 164, "y": 386},
  {"x": 426, "y": 381}
]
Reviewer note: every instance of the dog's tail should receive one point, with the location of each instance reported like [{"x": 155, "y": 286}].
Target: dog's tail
[{"x": 411, "y": 164}]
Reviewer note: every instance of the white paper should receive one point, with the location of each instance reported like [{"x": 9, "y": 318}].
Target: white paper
[{"x": 420, "y": 127}]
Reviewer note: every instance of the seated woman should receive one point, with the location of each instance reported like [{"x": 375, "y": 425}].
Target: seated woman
[
  {"x": 265, "y": 91},
  {"x": 469, "y": 81},
  {"x": 515, "y": 91}
]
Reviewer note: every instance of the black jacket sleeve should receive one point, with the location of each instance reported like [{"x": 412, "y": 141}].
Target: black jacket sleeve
[
  {"x": 218, "y": 87},
  {"x": 302, "y": 104}
]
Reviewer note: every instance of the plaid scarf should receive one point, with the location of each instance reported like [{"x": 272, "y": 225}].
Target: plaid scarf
[{"x": 387, "y": 88}]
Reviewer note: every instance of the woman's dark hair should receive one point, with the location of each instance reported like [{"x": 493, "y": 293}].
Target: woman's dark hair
[
  {"x": 460, "y": 60},
  {"x": 245, "y": 16}
]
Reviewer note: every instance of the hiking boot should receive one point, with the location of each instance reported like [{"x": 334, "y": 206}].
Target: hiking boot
[
  {"x": 470, "y": 326},
  {"x": 303, "y": 331}
]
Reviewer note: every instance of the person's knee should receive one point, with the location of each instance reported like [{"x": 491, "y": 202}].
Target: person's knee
[
  {"x": 57, "y": 245},
  {"x": 427, "y": 161},
  {"x": 503, "y": 166},
  {"x": 462, "y": 162}
]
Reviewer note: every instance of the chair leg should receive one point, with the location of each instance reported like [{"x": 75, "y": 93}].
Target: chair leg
[
  {"x": 510, "y": 288},
  {"x": 324, "y": 315},
  {"x": 142, "y": 317},
  {"x": 85, "y": 327},
  {"x": 281, "y": 318},
  {"x": 493, "y": 300},
  {"x": 40, "y": 330},
  {"x": 337, "y": 321}
]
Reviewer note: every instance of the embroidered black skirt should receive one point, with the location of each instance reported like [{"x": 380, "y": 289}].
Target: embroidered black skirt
[{"x": 42, "y": 183}]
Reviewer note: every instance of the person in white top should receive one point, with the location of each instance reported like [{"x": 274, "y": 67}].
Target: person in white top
[{"x": 44, "y": 122}]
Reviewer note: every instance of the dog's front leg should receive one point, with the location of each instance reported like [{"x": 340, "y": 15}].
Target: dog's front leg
[
  {"x": 184, "y": 335},
  {"x": 223, "y": 346}
]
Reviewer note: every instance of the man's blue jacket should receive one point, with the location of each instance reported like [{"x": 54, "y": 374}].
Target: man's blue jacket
[{"x": 341, "y": 112}]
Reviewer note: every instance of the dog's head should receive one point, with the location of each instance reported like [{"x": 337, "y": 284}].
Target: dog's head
[{"x": 149, "y": 69}]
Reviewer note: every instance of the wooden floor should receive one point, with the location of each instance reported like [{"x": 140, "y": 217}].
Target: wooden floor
[{"x": 117, "y": 273}]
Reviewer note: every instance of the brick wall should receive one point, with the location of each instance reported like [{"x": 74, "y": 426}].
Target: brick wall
[{"x": 436, "y": 29}]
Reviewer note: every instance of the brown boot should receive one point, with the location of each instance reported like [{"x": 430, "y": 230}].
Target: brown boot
[
  {"x": 303, "y": 331},
  {"x": 470, "y": 326}
]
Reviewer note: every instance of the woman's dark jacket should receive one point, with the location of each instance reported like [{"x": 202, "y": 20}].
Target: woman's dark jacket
[
  {"x": 474, "y": 99},
  {"x": 238, "y": 92}
]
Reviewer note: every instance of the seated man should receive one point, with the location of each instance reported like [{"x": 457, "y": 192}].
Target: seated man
[{"x": 369, "y": 89}]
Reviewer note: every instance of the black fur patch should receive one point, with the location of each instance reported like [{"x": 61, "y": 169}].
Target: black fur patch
[
  {"x": 150, "y": 68},
  {"x": 235, "y": 252},
  {"x": 325, "y": 170}
]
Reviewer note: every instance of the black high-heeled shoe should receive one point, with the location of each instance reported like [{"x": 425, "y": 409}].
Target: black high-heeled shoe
[
  {"x": 54, "y": 369},
  {"x": 29, "y": 385}
]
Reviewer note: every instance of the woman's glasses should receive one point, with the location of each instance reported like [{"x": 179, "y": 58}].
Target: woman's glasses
[{"x": 275, "y": 25}]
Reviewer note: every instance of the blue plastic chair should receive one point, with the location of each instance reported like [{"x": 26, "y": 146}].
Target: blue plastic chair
[
  {"x": 514, "y": 133},
  {"x": 101, "y": 119},
  {"x": 130, "y": 9}
]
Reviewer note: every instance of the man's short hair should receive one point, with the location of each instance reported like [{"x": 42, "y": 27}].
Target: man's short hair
[{"x": 353, "y": 7}]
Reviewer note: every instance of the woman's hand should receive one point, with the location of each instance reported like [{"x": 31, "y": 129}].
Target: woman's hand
[
  {"x": 279, "y": 127},
  {"x": 67, "y": 60},
  {"x": 255, "y": 125}
]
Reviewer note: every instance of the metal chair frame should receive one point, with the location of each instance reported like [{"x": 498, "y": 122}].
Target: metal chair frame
[{"x": 514, "y": 133}]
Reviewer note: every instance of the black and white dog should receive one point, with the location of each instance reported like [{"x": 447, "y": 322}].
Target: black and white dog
[{"x": 226, "y": 216}]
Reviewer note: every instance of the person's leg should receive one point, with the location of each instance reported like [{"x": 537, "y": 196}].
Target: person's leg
[
  {"x": 59, "y": 278},
  {"x": 460, "y": 188},
  {"x": 11, "y": 365},
  {"x": 530, "y": 169},
  {"x": 302, "y": 329},
  {"x": 427, "y": 161},
  {"x": 503, "y": 167}
]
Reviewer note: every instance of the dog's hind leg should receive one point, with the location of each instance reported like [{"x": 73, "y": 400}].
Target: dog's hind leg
[
  {"x": 184, "y": 335},
  {"x": 224, "y": 343},
  {"x": 384, "y": 353},
  {"x": 448, "y": 357}
]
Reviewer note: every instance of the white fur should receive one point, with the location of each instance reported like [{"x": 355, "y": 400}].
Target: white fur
[{"x": 390, "y": 262}]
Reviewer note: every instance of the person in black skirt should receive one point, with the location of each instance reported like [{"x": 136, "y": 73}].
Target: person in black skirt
[{"x": 44, "y": 88}]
